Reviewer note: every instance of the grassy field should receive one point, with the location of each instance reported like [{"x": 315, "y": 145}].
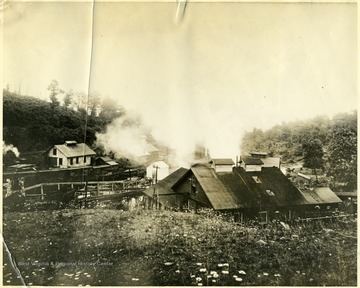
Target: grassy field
[{"x": 112, "y": 247}]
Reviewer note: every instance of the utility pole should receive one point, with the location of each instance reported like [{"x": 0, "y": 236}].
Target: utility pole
[
  {"x": 156, "y": 172},
  {"x": 156, "y": 190}
]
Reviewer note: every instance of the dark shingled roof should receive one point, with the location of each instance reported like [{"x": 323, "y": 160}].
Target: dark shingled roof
[
  {"x": 245, "y": 189},
  {"x": 251, "y": 160},
  {"x": 220, "y": 197},
  {"x": 222, "y": 161},
  {"x": 108, "y": 160},
  {"x": 164, "y": 186},
  {"x": 76, "y": 150},
  {"x": 274, "y": 188}
]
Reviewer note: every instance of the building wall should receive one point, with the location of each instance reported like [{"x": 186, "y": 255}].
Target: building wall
[
  {"x": 68, "y": 162},
  {"x": 191, "y": 190},
  {"x": 251, "y": 167},
  {"x": 223, "y": 168},
  {"x": 79, "y": 161}
]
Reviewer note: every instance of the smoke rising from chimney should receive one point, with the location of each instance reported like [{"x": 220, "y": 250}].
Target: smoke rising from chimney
[
  {"x": 125, "y": 137},
  {"x": 7, "y": 148},
  {"x": 180, "y": 124}
]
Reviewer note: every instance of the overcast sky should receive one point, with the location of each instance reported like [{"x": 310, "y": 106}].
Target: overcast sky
[{"x": 222, "y": 69}]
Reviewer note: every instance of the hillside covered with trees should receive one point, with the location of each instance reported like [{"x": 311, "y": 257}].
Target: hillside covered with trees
[
  {"x": 319, "y": 143},
  {"x": 31, "y": 124}
]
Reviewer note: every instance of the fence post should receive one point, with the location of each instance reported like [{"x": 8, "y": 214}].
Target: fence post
[{"x": 42, "y": 192}]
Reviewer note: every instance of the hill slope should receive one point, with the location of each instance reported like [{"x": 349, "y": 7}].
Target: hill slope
[{"x": 111, "y": 247}]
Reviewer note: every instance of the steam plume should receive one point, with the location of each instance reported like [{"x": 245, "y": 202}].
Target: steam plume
[
  {"x": 124, "y": 137},
  {"x": 7, "y": 148}
]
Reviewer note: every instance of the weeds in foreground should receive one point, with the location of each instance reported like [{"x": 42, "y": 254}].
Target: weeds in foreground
[{"x": 112, "y": 247}]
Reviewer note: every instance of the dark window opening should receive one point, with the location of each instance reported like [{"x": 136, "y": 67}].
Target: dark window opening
[{"x": 193, "y": 185}]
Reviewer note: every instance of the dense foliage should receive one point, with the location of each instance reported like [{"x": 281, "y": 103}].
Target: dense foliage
[
  {"x": 135, "y": 248},
  {"x": 319, "y": 142},
  {"x": 31, "y": 124},
  {"x": 313, "y": 155},
  {"x": 342, "y": 150}
]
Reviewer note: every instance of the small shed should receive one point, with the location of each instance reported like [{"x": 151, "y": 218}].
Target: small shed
[
  {"x": 105, "y": 160},
  {"x": 251, "y": 163},
  {"x": 222, "y": 164}
]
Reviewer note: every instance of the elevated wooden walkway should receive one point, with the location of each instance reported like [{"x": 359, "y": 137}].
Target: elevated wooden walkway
[{"x": 91, "y": 188}]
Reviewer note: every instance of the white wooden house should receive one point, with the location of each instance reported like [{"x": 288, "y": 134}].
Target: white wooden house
[{"x": 70, "y": 154}]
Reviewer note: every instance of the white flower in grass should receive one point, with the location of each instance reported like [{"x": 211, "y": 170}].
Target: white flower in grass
[
  {"x": 202, "y": 270},
  {"x": 277, "y": 275},
  {"x": 266, "y": 274},
  {"x": 238, "y": 279},
  {"x": 242, "y": 272},
  {"x": 177, "y": 271},
  {"x": 225, "y": 272},
  {"x": 214, "y": 281},
  {"x": 226, "y": 264},
  {"x": 135, "y": 279},
  {"x": 198, "y": 264},
  {"x": 168, "y": 263},
  {"x": 200, "y": 284},
  {"x": 198, "y": 279},
  {"x": 192, "y": 276},
  {"x": 220, "y": 265}
]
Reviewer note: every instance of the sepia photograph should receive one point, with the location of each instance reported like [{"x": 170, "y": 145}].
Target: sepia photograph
[{"x": 179, "y": 143}]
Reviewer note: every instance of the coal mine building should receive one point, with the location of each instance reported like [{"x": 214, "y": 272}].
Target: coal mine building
[{"x": 262, "y": 193}]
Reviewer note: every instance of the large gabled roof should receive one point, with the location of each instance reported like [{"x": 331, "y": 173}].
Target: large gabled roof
[
  {"x": 220, "y": 196},
  {"x": 244, "y": 189},
  {"x": 271, "y": 187},
  {"x": 165, "y": 185},
  {"x": 76, "y": 150}
]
